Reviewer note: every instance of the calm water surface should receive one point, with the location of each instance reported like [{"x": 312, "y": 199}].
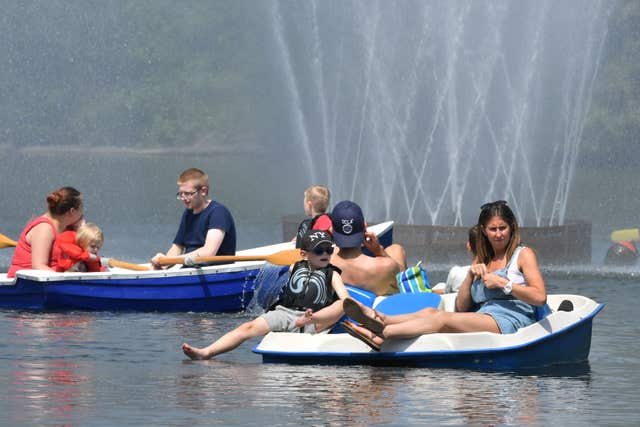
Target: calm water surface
[{"x": 101, "y": 368}]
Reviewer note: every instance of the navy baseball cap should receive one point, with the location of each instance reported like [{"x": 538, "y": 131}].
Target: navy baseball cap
[{"x": 348, "y": 224}]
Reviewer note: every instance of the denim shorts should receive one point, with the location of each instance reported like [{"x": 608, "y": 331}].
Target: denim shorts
[
  {"x": 510, "y": 315},
  {"x": 283, "y": 319}
]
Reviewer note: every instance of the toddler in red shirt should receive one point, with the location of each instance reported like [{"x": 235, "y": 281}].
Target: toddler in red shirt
[{"x": 78, "y": 250}]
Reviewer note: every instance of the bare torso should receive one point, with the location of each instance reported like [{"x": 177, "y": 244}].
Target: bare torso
[{"x": 375, "y": 274}]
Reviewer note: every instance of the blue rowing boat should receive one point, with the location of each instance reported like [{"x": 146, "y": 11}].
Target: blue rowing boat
[
  {"x": 219, "y": 288},
  {"x": 559, "y": 337}
]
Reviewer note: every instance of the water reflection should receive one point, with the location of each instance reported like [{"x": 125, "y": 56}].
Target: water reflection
[
  {"x": 364, "y": 395},
  {"x": 83, "y": 368},
  {"x": 48, "y": 376},
  {"x": 344, "y": 396},
  {"x": 578, "y": 371}
]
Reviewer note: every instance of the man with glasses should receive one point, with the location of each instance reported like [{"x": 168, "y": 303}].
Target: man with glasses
[{"x": 206, "y": 228}]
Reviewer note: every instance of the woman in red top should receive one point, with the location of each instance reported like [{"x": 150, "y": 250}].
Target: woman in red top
[{"x": 34, "y": 249}]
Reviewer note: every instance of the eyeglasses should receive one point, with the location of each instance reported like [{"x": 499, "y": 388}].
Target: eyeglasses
[
  {"x": 187, "y": 195},
  {"x": 496, "y": 203},
  {"x": 320, "y": 251}
]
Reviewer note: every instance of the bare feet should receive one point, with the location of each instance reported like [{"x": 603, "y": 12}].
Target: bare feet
[
  {"x": 366, "y": 316},
  {"x": 194, "y": 352},
  {"x": 363, "y": 334},
  {"x": 305, "y": 319}
]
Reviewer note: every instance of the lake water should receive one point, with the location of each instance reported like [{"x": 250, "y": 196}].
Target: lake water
[{"x": 102, "y": 368}]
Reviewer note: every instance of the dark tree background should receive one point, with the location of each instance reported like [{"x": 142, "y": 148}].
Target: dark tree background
[
  {"x": 612, "y": 133},
  {"x": 160, "y": 73}
]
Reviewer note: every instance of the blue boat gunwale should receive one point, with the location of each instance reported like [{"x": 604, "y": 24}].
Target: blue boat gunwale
[
  {"x": 123, "y": 274},
  {"x": 219, "y": 288},
  {"x": 126, "y": 275}
]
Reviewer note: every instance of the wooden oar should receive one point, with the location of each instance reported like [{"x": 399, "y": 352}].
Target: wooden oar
[
  {"x": 626, "y": 235},
  {"x": 6, "y": 242},
  {"x": 286, "y": 257},
  {"x": 116, "y": 263}
]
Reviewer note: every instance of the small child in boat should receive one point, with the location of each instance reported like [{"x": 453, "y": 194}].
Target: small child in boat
[
  {"x": 78, "y": 250},
  {"x": 316, "y": 202},
  {"x": 313, "y": 284}
]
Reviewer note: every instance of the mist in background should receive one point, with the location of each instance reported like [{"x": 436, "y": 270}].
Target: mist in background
[{"x": 420, "y": 111}]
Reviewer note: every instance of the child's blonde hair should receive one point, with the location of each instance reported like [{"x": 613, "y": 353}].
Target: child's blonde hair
[
  {"x": 319, "y": 197},
  {"x": 87, "y": 234}
]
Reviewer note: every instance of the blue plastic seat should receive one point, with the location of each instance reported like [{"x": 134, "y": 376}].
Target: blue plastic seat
[
  {"x": 408, "y": 303},
  {"x": 361, "y": 295},
  {"x": 542, "y": 312},
  {"x": 394, "y": 304}
]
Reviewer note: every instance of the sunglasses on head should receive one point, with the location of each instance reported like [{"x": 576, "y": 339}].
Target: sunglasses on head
[
  {"x": 491, "y": 204},
  {"x": 321, "y": 250}
]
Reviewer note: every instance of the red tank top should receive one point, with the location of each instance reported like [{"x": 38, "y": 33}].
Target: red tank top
[{"x": 22, "y": 255}]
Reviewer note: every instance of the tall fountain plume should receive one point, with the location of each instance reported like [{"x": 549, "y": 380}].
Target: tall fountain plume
[{"x": 423, "y": 110}]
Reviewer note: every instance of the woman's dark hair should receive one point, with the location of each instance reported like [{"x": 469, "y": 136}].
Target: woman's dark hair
[
  {"x": 63, "y": 199},
  {"x": 489, "y": 210}
]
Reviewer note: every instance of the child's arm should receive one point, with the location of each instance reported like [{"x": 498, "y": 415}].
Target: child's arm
[
  {"x": 338, "y": 286},
  {"x": 73, "y": 251}
]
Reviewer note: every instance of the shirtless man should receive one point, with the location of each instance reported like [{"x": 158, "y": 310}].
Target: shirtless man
[{"x": 375, "y": 274}]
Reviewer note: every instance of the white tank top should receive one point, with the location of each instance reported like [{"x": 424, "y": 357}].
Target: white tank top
[{"x": 513, "y": 272}]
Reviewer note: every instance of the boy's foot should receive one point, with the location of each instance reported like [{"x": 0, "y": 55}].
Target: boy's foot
[
  {"x": 194, "y": 353},
  {"x": 305, "y": 319}
]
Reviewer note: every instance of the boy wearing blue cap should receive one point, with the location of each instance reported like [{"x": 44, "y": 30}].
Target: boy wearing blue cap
[{"x": 313, "y": 284}]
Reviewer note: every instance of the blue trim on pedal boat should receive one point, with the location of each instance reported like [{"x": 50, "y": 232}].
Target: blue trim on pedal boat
[{"x": 570, "y": 344}]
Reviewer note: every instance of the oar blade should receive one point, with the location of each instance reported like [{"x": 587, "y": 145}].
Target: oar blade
[
  {"x": 6, "y": 242},
  {"x": 630, "y": 234},
  {"x": 285, "y": 257}
]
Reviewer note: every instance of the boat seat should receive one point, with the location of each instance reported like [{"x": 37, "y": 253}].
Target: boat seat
[
  {"x": 542, "y": 312},
  {"x": 361, "y": 295},
  {"x": 408, "y": 303},
  {"x": 393, "y": 304}
]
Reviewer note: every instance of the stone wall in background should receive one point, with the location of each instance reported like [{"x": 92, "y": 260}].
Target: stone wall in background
[{"x": 434, "y": 244}]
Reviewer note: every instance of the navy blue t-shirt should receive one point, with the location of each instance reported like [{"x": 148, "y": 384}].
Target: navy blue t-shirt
[{"x": 193, "y": 229}]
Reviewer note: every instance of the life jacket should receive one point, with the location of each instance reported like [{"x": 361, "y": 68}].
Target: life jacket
[
  {"x": 308, "y": 288},
  {"x": 69, "y": 254}
]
